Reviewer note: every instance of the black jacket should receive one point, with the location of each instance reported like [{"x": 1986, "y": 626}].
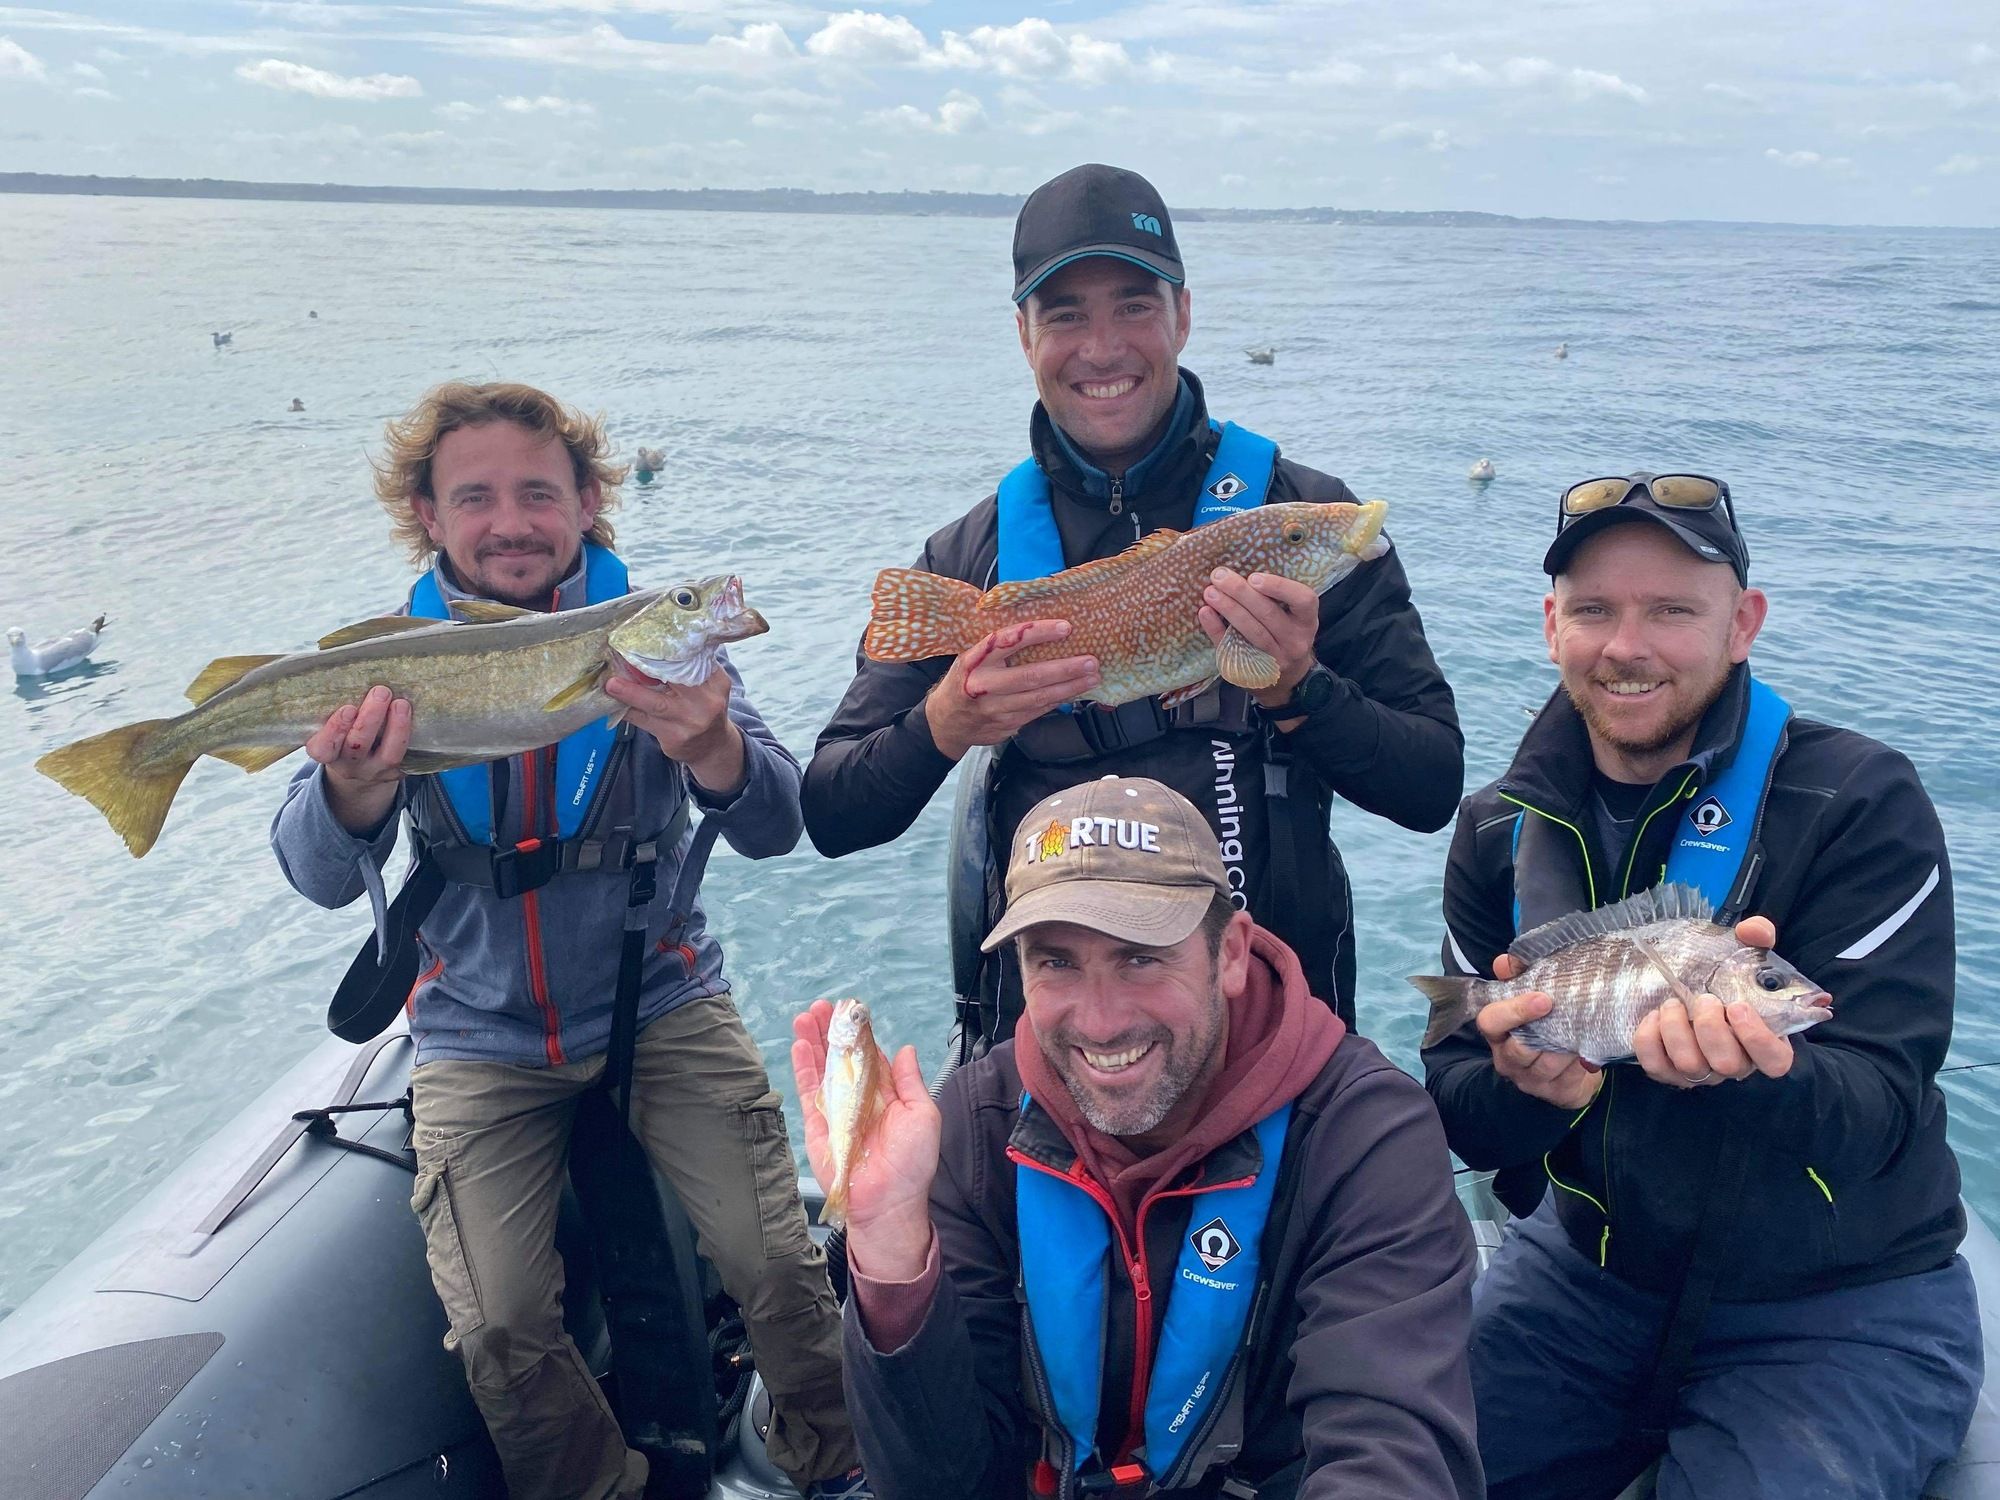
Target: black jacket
[
  {"x": 1389, "y": 743},
  {"x": 1362, "y": 1369},
  {"x": 1851, "y": 1180}
]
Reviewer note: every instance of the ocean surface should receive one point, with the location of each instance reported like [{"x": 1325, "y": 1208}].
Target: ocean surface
[{"x": 828, "y": 391}]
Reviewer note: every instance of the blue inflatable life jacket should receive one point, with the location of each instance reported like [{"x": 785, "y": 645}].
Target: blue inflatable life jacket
[
  {"x": 1239, "y": 477},
  {"x": 1066, "y": 1237},
  {"x": 580, "y": 757}
]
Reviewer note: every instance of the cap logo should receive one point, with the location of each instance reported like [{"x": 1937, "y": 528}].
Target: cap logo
[
  {"x": 1148, "y": 223},
  {"x": 1059, "y": 837}
]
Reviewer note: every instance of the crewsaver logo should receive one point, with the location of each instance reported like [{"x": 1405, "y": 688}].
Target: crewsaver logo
[
  {"x": 1710, "y": 817},
  {"x": 1147, "y": 223},
  {"x": 1228, "y": 487},
  {"x": 1216, "y": 1246}
]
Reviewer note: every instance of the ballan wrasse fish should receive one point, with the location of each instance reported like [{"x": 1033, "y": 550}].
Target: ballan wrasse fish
[
  {"x": 512, "y": 680},
  {"x": 853, "y": 1093},
  {"x": 1136, "y": 612},
  {"x": 1607, "y": 970}
]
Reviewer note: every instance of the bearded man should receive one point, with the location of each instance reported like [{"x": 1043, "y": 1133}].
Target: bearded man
[
  {"x": 1745, "y": 1262},
  {"x": 1229, "y": 1218}
]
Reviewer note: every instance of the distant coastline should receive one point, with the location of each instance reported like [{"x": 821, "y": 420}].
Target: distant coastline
[{"x": 726, "y": 200}]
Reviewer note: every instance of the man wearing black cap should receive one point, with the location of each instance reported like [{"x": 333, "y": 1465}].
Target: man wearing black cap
[
  {"x": 1123, "y": 445},
  {"x": 1743, "y": 1262}
]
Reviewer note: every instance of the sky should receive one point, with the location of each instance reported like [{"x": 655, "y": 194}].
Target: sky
[{"x": 1815, "y": 111}]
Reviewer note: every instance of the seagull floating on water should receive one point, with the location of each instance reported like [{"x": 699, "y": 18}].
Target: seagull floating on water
[
  {"x": 54, "y": 654},
  {"x": 1480, "y": 472},
  {"x": 1562, "y": 350},
  {"x": 313, "y": 314},
  {"x": 1262, "y": 356},
  {"x": 221, "y": 338},
  {"x": 297, "y": 404},
  {"x": 649, "y": 462}
]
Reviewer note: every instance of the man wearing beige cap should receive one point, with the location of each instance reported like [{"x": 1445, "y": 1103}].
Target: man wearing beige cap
[{"x": 1230, "y": 1221}]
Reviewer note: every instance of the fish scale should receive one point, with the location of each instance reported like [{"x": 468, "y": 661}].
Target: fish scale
[{"x": 1136, "y": 613}]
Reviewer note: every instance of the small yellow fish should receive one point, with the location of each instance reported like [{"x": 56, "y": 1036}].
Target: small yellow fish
[
  {"x": 853, "y": 1093},
  {"x": 1137, "y": 613}
]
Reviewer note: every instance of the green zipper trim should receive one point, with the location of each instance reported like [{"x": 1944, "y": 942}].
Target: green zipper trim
[
  {"x": 1589, "y": 875},
  {"x": 1640, "y": 837},
  {"x": 1565, "y": 1187},
  {"x": 1604, "y": 1247},
  {"x": 1820, "y": 1183}
]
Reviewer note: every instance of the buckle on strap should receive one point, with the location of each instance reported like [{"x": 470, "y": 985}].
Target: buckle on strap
[
  {"x": 1119, "y": 1479},
  {"x": 528, "y": 866}
]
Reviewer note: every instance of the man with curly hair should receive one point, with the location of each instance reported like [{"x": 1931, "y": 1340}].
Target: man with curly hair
[{"x": 502, "y": 494}]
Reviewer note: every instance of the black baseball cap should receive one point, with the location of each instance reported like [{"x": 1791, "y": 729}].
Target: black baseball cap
[
  {"x": 1093, "y": 210},
  {"x": 1711, "y": 533}
]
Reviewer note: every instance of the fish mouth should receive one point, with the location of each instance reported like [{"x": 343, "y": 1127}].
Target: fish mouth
[
  {"x": 734, "y": 620},
  {"x": 1367, "y": 527}
]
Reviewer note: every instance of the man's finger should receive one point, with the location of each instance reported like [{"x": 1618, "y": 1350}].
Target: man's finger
[
  {"x": 1503, "y": 1016},
  {"x": 1757, "y": 932},
  {"x": 1770, "y": 1054},
  {"x": 908, "y": 1076},
  {"x": 1721, "y": 1052},
  {"x": 396, "y": 734},
  {"x": 1506, "y": 966},
  {"x": 996, "y": 681},
  {"x": 1677, "y": 1040}
]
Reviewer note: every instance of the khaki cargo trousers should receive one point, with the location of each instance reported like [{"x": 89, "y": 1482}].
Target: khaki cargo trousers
[{"x": 491, "y": 1142}]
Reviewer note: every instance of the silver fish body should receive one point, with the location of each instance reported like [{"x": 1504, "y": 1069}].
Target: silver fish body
[
  {"x": 1609, "y": 969},
  {"x": 854, "y": 1090}
]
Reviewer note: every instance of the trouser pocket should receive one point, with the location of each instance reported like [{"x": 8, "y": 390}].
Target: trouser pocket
[
  {"x": 779, "y": 1212},
  {"x": 451, "y": 1272}
]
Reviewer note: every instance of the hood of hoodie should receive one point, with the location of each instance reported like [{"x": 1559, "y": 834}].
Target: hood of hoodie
[{"x": 1280, "y": 1037}]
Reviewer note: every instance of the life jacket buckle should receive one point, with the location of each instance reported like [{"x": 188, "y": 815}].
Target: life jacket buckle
[
  {"x": 1119, "y": 1479},
  {"x": 528, "y": 866}
]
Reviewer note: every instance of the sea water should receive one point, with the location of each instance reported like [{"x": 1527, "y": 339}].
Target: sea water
[{"x": 828, "y": 391}]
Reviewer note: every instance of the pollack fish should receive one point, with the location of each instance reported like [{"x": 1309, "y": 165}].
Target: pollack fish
[
  {"x": 853, "y": 1092},
  {"x": 509, "y": 681},
  {"x": 1607, "y": 970},
  {"x": 1137, "y": 613}
]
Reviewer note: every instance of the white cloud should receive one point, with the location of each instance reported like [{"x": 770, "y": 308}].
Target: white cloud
[
  {"x": 1333, "y": 72},
  {"x": 754, "y": 51},
  {"x": 87, "y": 71},
  {"x": 1430, "y": 140},
  {"x": 1982, "y": 53},
  {"x": 958, "y": 113},
  {"x": 17, "y": 61},
  {"x": 1800, "y": 160},
  {"x": 1452, "y": 71},
  {"x": 275, "y": 73},
  {"x": 546, "y": 104},
  {"x": 92, "y": 91},
  {"x": 1030, "y": 48},
  {"x": 1960, "y": 165},
  {"x": 458, "y": 110}
]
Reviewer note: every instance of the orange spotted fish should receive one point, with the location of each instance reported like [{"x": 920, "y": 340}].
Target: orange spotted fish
[
  {"x": 1136, "y": 612},
  {"x": 853, "y": 1092}
]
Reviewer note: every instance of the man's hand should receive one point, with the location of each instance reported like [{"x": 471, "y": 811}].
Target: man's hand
[
  {"x": 692, "y": 725},
  {"x": 1718, "y": 1043},
  {"x": 1559, "y": 1078},
  {"x": 984, "y": 698},
  {"x": 362, "y": 745},
  {"x": 1272, "y": 613},
  {"x": 889, "y": 1182}
]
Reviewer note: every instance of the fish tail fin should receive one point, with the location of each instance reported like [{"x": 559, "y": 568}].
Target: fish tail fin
[
  {"x": 1452, "y": 1004},
  {"x": 111, "y": 772},
  {"x": 833, "y": 1212},
  {"x": 917, "y": 615}
]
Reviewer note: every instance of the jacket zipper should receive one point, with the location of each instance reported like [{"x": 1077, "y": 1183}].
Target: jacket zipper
[
  {"x": 1048, "y": 1401},
  {"x": 1589, "y": 875},
  {"x": 531, "y": 918},
  {"x": 1638, "y": 838},
  {"x": 1118, "y": 498}
]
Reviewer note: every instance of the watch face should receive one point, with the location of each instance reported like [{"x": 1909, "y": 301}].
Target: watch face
[{"x": 1315, "y": 691}]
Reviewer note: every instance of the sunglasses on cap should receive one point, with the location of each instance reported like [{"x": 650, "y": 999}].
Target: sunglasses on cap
[{"x": 1691, "y": 492}]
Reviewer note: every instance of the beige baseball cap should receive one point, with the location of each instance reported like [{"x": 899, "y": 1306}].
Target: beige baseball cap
[{"x": 1124, "y": 856}]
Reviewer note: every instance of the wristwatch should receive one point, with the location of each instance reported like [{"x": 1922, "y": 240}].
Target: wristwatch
[{"x": 1315, "y": 690}]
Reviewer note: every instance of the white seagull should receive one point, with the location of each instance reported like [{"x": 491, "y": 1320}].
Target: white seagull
[
  {"x": 1262, "y": 356},
  {"x": 1480, "y": 472},
  {"x": 221, "y": 338},
  {"x": 54, "y": 654},
  {"x": 1562, "y": 350}
]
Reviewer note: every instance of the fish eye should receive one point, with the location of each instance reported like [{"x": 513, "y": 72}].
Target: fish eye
[
  {"x": 684, "y": 597},
  {"x": 1295, "y": 532},
  {"x": 1769, "y": 979}
]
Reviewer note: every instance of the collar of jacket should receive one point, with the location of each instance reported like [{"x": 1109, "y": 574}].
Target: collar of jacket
[
  {"x": 1551, "y": 769},
  {"x": 1181, "y": 453},
  {"x": 1037, "y": 1137},
  {"x": 570, "y": 593}
]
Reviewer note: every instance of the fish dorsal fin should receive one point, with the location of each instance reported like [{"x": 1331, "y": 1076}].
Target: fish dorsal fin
[
  {"x": 1083, "y": 575},
  {"x": 224, "y": 672},
  {"x": 368, "y": 630},
  {"x": 485, "y": 611},
  {"x": 1661, "y": 904}
]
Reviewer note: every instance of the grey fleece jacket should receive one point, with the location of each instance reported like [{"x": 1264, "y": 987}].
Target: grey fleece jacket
[{"x": 530, "y": 980}]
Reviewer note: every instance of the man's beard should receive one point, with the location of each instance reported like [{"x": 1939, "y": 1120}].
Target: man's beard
[
  {"x": 1677, "y": 725},
  {"x": 1185, "y": 1061}
]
